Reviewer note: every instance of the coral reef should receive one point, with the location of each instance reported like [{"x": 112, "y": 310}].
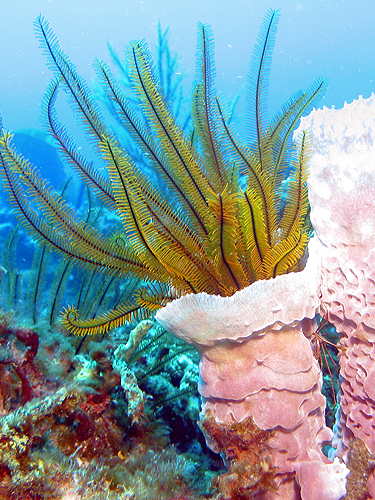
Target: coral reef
[
  {"x": 88, "y": 430},
  {"x": 104, "y": 425}
]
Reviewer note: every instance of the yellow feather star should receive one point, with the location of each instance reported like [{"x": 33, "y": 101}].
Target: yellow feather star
[{"x": 219, "y": 224}]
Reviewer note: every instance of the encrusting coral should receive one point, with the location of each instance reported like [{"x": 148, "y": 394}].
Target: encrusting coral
[{"x": 342, "y": 197}]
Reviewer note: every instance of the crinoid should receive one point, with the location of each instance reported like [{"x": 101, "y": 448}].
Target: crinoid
[{"x": 218, "y": 223}]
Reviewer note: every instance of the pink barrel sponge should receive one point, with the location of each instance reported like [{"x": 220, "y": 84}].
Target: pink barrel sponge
[
  {"x": 257, "y": 363},
  {"x": 342, "y": 196}
]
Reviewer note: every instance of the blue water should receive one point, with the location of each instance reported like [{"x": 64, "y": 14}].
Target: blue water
[{"x": 334, "y": 39}]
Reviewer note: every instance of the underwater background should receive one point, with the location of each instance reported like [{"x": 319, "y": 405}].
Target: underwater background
[
  {"x": 316, "y": 38},
  {"x": 88, "y": 441},
  {"x": 333, "y": 39}
]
